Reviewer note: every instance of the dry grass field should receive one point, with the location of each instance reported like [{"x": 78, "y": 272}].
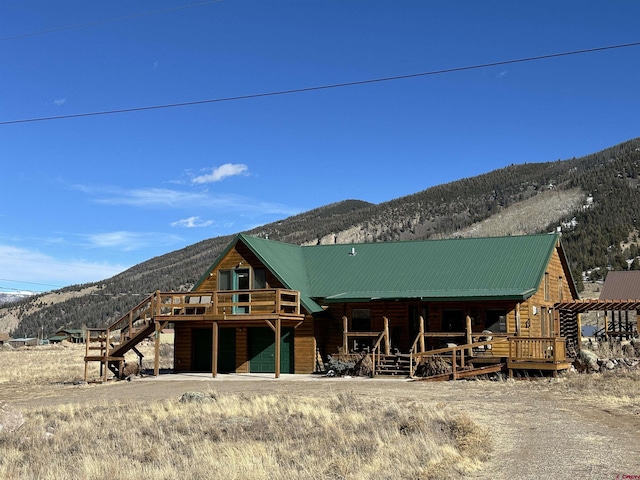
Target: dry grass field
[{"x": 299, "y": 427}]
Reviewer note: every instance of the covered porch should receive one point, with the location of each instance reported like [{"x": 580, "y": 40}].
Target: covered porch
[{"x": 479, "y": 352}]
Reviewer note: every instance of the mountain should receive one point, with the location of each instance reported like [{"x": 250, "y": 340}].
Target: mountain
[
  {"x": 9, "y": 297},
  {"x": 594, "y": 200}
]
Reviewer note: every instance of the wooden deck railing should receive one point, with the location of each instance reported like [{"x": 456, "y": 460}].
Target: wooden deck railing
[
  {"x": 228, "y": 302},
  {"x": 537, "y": 349}
]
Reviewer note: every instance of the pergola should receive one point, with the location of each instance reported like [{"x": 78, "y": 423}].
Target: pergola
[{"x": 570, "y": 315}]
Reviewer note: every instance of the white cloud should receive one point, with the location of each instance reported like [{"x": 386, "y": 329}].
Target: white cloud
[
  {"x": 26, "y": 265},
  {"x": 222, "y": 172},
  {"x": 59, "y": 101},
  {"x": 191, "y": 222},
  {"x": 128, "y": 241},
  {"x": 502, "y": 74},
  {"x": 164, "y": 197}
]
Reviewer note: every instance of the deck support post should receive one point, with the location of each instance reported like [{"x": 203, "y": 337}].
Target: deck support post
[
  {"x": 277, "y": 353},
  {"x": 156, "y": 350},
  {"x": 422, "y": 346},
  {"x": 104, "y": 364},
  {"x": 216, "y": 346}
]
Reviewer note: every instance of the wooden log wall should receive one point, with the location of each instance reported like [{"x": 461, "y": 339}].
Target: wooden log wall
[{"x": 304, "y": 344}]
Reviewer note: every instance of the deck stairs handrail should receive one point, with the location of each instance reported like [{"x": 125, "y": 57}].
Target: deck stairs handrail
[{"x": 375, "y": 353}]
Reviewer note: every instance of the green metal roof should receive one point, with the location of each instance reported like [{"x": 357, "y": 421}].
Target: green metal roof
[{"x": 458, "y": 269}]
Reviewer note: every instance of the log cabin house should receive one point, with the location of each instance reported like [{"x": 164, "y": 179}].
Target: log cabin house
[{"x": 484, "y": 303}]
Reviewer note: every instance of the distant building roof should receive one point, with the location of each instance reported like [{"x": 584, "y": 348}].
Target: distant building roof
[
  {"x": 621, "y": 286},
  {"x": 70, "y": 331},
  {"x": 57, "y": 338}
]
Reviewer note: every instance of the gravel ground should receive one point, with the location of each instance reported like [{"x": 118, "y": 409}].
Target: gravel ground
[{"x": 539, "y": 429}]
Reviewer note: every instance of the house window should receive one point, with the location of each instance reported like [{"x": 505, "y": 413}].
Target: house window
[
  {"x": 360, "y": 320},
  {"x": 453, "y": 321},
  {"x": 546, "y": 286},
  {"x": 496, "y": 321},
  {"x": 560, "y": 285},
  {"x": 259, "y": 278},
  {"x": 224, "y": 280}
]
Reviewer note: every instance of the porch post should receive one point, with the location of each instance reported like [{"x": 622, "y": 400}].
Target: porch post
[
  {"x": 579, "y": 322},
  {"x": 277, "y": 355},
  {"x": 422, "y": 347},
  {"x": 469, "y": 337},
  {"x": 345, "y": 331},
  {"x": 387, "y": 343},
  {"x": 214, "y": 354},
  {"x": 517, "y": 312}
]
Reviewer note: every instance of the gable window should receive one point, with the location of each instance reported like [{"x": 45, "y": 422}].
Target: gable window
[
  {"x": 560, "y": 289},
  {"x": 259, "y": 278},
  {"x": 224, "y": 280},
  {"x": 546, "y": 286}
]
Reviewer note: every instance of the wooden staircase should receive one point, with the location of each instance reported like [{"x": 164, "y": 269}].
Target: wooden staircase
[{"x": 133, "y": 327}]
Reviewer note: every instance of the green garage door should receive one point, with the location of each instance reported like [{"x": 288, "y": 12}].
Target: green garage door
[
  {"x": 202, "y": 343},
  {"x": 262, "y": 350}
]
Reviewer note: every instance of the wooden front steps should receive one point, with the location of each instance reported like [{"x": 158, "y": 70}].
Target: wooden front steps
[{"x": 392, "y": 365}]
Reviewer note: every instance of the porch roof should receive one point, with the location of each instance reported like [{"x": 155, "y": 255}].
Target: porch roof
[{"x": 502, "y": 268}]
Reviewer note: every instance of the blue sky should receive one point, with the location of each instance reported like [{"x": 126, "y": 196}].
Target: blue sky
[{"x": 84, "y": 198}]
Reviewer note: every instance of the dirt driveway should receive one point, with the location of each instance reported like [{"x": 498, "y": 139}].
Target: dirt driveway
[{"x": 539, "y": 429}]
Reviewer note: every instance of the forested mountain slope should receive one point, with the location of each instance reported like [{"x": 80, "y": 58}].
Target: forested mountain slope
[{"x": 599, "y": 192}]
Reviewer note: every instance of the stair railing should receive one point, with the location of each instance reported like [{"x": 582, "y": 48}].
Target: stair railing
[{"x": 375, "y": 353}]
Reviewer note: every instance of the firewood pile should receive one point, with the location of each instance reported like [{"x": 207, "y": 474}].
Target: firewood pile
[{"x": 433, "y": 365}]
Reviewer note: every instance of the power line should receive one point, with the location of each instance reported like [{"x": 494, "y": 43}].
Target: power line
[
  {"x": 30, "y": 283},
  {"x": 322, "y": 87},
  {"x": 100, "y": 22}
]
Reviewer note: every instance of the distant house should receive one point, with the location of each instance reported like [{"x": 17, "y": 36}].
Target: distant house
[
  {"x": 4, "y": 338},
  {"x": 267, "y": 306},
  {"x": 23, "y": 342},
  {"x": 619, "y": 303},
  {"x": 621, "y": 320},
  {"x": 72, "y": 335}
]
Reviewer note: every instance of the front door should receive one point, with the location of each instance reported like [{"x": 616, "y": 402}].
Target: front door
[
  {"x": 262, "y": 350},
  {"x": 202, "y": 349},
  {"x": 241, "y": 281}
]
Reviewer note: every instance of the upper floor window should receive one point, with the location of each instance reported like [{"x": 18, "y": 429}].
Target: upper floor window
[
  {"x": 546, "y": 287},
  {"x": 560, "y": 286},
  {"x": 241, "y": 279}
]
